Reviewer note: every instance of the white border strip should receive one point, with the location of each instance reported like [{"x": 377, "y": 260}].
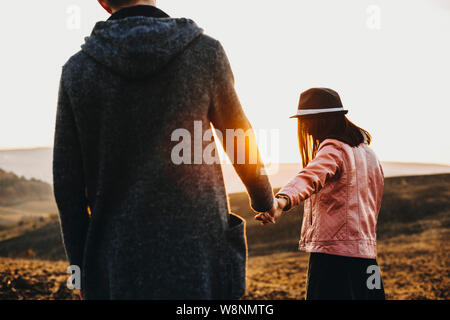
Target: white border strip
[{"x": 315, "y": 111}]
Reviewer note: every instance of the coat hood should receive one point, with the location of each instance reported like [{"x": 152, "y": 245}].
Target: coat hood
[{"x": 137, "y": 47}]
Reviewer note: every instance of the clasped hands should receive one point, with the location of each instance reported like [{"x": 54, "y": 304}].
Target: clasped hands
[{"x": 273, "y": 214}]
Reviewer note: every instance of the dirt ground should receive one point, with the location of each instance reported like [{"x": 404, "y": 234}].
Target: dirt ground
[
  {"x": 25, "y": 279},
  {"x": 413, "y": 267}
]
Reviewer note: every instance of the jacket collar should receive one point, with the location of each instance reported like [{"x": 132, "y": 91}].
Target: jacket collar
[{"x": 140, "y": 10}]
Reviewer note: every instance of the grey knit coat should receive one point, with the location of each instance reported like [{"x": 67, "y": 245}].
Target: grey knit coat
[{"x": 139, "y": 225}]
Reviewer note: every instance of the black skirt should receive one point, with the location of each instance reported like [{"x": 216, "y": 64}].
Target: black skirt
[{"x": 332, "y": 277}]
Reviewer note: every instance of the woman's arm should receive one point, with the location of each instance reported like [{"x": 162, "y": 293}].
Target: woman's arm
[{"x": 313, "y": 177}]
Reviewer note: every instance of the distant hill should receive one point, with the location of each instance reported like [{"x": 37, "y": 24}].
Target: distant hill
[{"x": 15, "y": 190}]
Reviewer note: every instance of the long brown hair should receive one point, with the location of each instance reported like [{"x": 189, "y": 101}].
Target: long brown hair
[{"x": 313, "y": 131}]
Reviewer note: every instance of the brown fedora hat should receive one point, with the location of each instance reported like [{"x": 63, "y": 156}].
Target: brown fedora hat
[{"x": 319, "y": 102}]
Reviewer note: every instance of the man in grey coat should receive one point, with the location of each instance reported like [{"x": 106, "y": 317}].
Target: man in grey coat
[{"x": 144, "y": 212}]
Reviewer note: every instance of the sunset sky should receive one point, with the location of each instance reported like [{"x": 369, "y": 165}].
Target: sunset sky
[{"x": 389, "y": 60}]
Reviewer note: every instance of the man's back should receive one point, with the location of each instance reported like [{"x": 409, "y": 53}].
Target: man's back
[{"x": 158, "y": 229}]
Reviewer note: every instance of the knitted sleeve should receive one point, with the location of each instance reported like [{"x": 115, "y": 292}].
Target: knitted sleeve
[
  {"x": 237, "y": 135},
  {"x": 68, "y": 181}
]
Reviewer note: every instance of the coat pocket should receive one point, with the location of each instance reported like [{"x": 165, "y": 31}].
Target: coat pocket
[{"x": 236, "y": 257}]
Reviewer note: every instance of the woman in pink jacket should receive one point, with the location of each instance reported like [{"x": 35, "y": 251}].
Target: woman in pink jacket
[{"x": 341, "y": 184}]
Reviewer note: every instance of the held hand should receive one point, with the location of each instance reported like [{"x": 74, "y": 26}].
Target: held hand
[{"x": 273, "y": 214}]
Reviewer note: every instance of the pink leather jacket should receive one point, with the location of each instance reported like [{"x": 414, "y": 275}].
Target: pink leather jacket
[{"x": 343, "y": 187}]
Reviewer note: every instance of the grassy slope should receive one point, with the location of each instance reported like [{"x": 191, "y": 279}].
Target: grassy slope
[
  {"x": 414, "y": 234},
  {"x": 23, "y": 199},
  {"x": 15, "y": 190},
  {"x": 409, "y": 204}
]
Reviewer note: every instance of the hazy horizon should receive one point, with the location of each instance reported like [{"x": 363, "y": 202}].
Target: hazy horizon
[
  {"x": 37, "y": 163},
  {"x": 281, "y": 162}
]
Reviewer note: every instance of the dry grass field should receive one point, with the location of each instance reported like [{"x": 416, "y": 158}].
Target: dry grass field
[
  {"x": 413, "y": 248},
  {"x": 413, "y": 267}
]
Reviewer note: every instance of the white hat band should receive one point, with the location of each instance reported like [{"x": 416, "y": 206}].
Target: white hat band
[{"x": 315, "y": 111}]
